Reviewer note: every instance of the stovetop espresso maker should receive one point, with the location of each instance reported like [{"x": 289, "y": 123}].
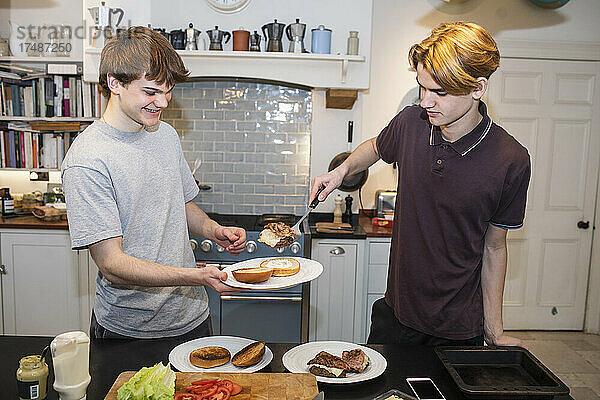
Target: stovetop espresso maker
[
  {"x": 216, "y": 37},
  {"x": 295, "y": 33},
  {"x": 273, "y": 33}
]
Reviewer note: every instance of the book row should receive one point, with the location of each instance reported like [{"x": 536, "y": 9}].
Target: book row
[{"x": 30, "y": 150}]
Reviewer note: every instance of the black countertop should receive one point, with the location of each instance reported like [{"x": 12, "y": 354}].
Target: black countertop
[
  {"x": 314, "y": 217},
  {"x": 108, "y": 358}
]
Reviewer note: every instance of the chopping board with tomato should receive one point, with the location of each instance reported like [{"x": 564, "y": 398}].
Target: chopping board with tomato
[{"x": 263, "y": 386}]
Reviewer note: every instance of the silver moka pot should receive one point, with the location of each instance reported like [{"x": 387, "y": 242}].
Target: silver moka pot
[
  {"x": 274, "y": 31},
  {"x": 255, "y": 41},
  {"x": 295, "y": 33},
  {"x": 216, "y": 37},
  {"x": 191, "y": 37}
]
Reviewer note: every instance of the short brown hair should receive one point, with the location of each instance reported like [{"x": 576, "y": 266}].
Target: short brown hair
[
  {"x": 456, "y": 54},
  {"x": 137, "y": 52}
]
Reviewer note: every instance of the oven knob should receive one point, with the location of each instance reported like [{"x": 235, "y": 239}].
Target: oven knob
[
  {"x": 193, "y": 244},
  {"x": 295, "y": 247},
  {"x": 251, "y": 246},
  {"x": 206, "y": 245},
  {"x": 220, "y": 248},
  {"x": 280, "y": 250}
]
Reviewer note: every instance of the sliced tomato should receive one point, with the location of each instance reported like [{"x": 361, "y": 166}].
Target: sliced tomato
[
  {"x": 222, "y": 394},
  {"x": 227, "y": 383},
  {"x": 205, "y": 382},
  {"x": 237, "y": 388},
  {"x": 204, "y": 391},
  {"x": 186, "y": 396}
]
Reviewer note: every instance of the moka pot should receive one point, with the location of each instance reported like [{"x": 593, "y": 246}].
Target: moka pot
[
  {"x": 295, "y": 33},
  {"x": 275, "y": 33},
  {"x": 216, "y": 37}
]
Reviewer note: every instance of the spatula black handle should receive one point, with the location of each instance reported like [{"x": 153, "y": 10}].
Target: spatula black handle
[{"x": 316, "y": 201}]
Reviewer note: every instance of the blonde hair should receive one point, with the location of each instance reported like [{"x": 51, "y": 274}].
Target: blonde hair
[
  {"x": 456, "y": 54},
  {"x": 137, "y": 52}
]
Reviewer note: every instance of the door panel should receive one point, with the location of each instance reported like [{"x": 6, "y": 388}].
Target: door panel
[{"x": 551, "y": 107}]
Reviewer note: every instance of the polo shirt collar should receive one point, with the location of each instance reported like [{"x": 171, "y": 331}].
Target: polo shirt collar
[{"x": 468, "y": 142}]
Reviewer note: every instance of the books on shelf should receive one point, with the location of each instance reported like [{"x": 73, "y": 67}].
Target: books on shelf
[
  {"x": 27, "y": 149},
  {"x": 48, "y": 96}
]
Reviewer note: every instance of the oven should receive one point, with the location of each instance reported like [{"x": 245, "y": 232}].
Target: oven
[{"x": 273, "y": 315}]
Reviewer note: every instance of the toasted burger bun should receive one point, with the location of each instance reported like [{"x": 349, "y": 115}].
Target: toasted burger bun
[
  {"x": 252, "y": 275},
  {"x": 249, "y": 355},
  {"x": 282, "y": 266},
  {"x": 210, "y": 356}
]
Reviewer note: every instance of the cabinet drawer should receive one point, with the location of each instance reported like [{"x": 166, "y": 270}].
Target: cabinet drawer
[
  {"x": 379, "y": 253},
  {"x": 377, "y": 278}
]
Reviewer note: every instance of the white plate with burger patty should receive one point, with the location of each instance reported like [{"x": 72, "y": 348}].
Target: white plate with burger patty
[
  {"x": 309, "y": 270},
  {"x": 296, "y": 359},
  {"x": 179, "y": 357}
]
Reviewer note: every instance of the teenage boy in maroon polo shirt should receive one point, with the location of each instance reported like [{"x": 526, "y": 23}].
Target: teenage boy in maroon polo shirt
[{"x": 462, "y": 183}]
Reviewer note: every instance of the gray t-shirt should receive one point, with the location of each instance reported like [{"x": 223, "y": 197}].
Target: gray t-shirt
[{"x": 135, "y": 185}]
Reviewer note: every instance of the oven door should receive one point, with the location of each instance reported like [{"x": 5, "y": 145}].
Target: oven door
[{"x": 266, "y": 316}]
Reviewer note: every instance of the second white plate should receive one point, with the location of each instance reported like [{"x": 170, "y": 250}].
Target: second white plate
[
  {"x": 179, "y": 357},
  {"x": 309, "y": 270},
  {"x": 296, "y": 358}
]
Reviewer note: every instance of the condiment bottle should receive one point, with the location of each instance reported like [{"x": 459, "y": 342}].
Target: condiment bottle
[
  {"x": 337, "y": 212},
  {"x": 32, "y": 378},
  {"x": 8, "y": 204},
  {"x": 71, "y": 359},
  {"x": 353, "y": 43}
]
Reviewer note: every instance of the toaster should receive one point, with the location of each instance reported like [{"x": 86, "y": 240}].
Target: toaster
[{"x": 385, "y": 201}]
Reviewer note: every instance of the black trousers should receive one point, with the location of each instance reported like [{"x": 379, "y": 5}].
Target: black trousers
[
  {"x": 386, "y": 329},
  {"x": 97, "y": 331}
]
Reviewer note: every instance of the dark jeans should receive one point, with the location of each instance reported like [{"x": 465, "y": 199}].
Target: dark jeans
[
  {"x": 97, "y": 331},
  {"x": 386, "y": 329}
]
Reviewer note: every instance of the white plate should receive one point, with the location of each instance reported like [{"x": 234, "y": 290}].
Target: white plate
[
  {"x": 309, "y": 270},
  {"x": 179, "y": 357},
  {"x": 296, "y": 358}
]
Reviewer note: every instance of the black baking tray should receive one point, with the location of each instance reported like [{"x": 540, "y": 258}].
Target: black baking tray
[{"x": 500, "y": 373}]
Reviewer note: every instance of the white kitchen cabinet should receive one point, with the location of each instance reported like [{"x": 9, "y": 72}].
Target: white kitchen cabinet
[
  {"x": 45, "y": 288},
  {"x": 337, "y": 298},
  {"x": 377, "y": 259}
]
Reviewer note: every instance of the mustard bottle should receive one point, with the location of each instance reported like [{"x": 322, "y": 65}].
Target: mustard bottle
[{"x": 32, "y": 378}]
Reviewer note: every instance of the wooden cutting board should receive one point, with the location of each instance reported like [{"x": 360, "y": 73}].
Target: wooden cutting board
[
  {"x": 256, "y": 386},
  {"x": 329, "y": 227}
]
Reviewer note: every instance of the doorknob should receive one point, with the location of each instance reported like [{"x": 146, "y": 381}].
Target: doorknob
[{"x": 583, "y": 224}]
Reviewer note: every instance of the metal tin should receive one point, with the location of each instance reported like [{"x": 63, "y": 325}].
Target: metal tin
[
  {"x": 321, "y": 40},
  {"x": 385, "y": 201}
]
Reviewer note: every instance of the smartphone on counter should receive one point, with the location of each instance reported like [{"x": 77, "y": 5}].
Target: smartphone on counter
[{"x": 425, "y": 389}]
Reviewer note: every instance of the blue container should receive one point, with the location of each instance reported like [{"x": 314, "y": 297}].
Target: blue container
[{"x": 321, "y": 40}]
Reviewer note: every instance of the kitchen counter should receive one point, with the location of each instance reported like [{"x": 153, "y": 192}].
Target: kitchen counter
[
  {"x": 108, "y": 358},
  {"x": 31, "y": 222},
  {"x": 362, "y": 223}
]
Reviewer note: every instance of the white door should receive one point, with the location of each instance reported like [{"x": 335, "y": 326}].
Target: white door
[
  {"x": 552, "y": 107},
  {"x": 40, "y": 289}
]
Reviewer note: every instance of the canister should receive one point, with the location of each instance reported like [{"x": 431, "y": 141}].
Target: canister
[
  {"x": 353, "y": 43},
  {"x": 321, "y": 40}
]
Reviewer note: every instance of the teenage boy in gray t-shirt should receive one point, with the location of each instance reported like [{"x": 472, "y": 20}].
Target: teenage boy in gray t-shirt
[{"x": 129, "y": 195}]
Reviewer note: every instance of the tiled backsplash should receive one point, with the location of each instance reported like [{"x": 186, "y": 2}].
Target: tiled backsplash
[{"x": 253, "y": 140}]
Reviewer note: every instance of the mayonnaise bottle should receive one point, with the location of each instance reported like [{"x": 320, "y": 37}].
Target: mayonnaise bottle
[{"x": 70, "y": 356}]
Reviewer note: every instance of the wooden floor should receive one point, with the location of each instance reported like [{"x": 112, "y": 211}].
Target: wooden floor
[{"x": 573, "y": 356}]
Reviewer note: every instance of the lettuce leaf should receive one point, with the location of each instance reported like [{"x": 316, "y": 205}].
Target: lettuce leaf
[{"x": 149, "y": 383}]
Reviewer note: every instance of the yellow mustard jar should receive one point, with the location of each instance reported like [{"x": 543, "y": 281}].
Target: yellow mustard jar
[{"x": 32, "y": 378}]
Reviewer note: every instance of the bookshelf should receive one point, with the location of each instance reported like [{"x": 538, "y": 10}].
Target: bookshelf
[{"x": 44, "y": 104}]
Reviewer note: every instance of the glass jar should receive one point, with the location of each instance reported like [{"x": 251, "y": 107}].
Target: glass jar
[
  {"x": 32, "y": 378},
  {"x": 8, "y": 204}
]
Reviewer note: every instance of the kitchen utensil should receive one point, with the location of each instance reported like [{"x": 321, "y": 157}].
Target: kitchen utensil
[
  {"x": 256, "y": 386},
  {"x": 321, "y": 40},
  {"x": 191, "y": 37},
  {"x": 273, "y": 33},
  {"x": 240, "y": 40},
  {"x": 309, "y": 270},
  {"x": 311, "y": 206},
  {"x": 320, "y": 396},
  {"x": 351, "y": 182},
  {"x": 104, "y": 23},
  {"x": 295, "y": 33},
  {"x": 197, "y": 164},
  {"x": 177, "y": 39},
  {"x": 216, "y": 36},
  {"x": 296, "y": 358},
  {"x": 500, "y": 372},
  {"x": 255, "y": 41},
  {"x": 179, "y": 357}
]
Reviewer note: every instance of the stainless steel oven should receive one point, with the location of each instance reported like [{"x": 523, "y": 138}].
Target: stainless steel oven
[{"x": 274, "y": 315}]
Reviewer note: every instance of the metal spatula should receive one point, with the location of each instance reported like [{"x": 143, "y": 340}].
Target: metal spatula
[{"x": 311, "y": 206}]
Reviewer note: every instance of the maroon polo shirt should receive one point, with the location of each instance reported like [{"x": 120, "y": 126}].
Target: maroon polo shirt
[{"x": 448, "y": 193}]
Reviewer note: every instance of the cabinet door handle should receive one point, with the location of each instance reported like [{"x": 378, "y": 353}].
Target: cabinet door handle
[
  {"x": 2, "y": 269},
  {"x": 337, "y": 251}
]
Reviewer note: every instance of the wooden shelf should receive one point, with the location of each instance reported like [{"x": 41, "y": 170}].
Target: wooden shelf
[
  {"x": 43, "y": 60},
  {"x": 31, "y": 169},
  {"x": 60, "y": 119}
]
